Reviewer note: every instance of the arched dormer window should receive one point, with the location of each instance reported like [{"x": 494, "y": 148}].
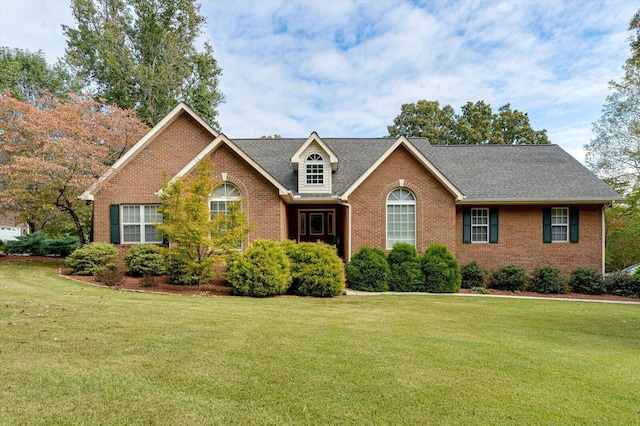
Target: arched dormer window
[
  {"x": 221, "y": 197},
  {"x": 401, "y": 217},
  {"x": 315, "y": 169}
]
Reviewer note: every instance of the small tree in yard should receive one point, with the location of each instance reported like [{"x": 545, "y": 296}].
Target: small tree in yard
[{"x": 199, "y": 240}]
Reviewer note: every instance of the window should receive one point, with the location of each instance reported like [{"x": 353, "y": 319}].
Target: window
[
  {"x": 315, "y": 169},
  {"x": 559, "y": 224},
  {"x": 401, "y": 217},
  {"x": 138, "y": 224},
  {"x": 479, "y": 225},
  {"x": 221, "y": 197}
]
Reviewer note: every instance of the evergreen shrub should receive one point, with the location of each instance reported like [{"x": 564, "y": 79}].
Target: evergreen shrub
[
  {"x": 623, "y": 285},
  {"x": 587, "y": 281},
  {"x": 547, "y": 279},
  {"x": 316, "y": 269},
  {"x": 368, "y": 270},
  {"x": 509, "y": 277},
  {"x": 92, "y": 258},
  {"x": 145, "y": 259},
  {"x": 404, "y": 267},
  {"x": 473, "y": 275},
  {"x": 441, "y": 270},
  {"x": 262, "y": 270}
]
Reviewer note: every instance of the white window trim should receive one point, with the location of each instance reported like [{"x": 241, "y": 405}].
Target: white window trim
[
  {"x": 224, "y": 198},
  {"x": 415, "y": 216},
  {"x": 473, "y": 210},
  {"x": 141, "y": 224},
  {"x": 564, "y": 225},
  {"x": 319, "y": 173}
]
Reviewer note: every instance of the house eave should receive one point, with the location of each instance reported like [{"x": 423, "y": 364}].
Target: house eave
[{"x": 535, "y": 201}]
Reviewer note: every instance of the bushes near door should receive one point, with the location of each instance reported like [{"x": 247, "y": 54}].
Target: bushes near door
[
  {"x": 404, "y": 268},
  {"x": 368, "y": 270},
  {"x": 316, "y": 269}
]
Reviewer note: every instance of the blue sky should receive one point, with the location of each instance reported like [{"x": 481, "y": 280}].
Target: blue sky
[{"x": 344, "y": 68}]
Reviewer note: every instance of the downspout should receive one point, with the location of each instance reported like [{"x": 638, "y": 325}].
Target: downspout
[
  {"x": 347, "y": 256},
  {"x": 603, "y": 240}
]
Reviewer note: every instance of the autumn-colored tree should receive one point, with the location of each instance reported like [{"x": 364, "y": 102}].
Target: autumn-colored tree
[
  {"x": 199, "y": 240},
  {"x": 51, "y": 153}
]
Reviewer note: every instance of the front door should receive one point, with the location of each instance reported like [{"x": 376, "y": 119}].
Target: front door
[{"x": 317, "y": 225}]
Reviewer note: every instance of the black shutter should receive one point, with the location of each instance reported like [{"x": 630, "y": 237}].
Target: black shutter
[
  {"x": 546, "y": 224},
  {"x": 466, "y": 225},
  {"x": 493, "y": 225},
  {"x": 573, "y": 225},
  {"x": 114, "y": 223}
]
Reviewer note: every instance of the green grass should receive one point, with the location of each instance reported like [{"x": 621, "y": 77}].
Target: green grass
[{"x": 71, "y": 353}]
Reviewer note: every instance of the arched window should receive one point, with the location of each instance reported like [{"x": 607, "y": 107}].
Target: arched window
[
  {"x": 401, "y": 217},
  {"x": 221, "y": 197},
  {"x": 315, "y": 169}
]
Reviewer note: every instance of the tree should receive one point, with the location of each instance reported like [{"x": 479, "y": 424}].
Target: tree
[
  {"x": 614, "y": 154},
  {"x": 476, "y": 125},
  {"x": 28, "y": 76},
  {"x": 52, "y": 153},
  {"x": 141, "y": 54},
  {"x": 198, "y": 239}
]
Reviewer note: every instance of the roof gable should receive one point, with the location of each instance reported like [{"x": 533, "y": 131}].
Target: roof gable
[
  {"x": 180, "y": 109},
  {"x": 314, "y": 138},
  {"x": 402, "y": 141}
]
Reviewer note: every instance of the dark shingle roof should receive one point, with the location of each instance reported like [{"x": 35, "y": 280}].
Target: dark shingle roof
[{"x": 483, "y": 173}]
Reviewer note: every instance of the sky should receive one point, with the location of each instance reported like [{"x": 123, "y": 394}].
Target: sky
[{"x": 343, "y": 68}]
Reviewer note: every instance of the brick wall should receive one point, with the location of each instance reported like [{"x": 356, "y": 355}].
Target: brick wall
[
  {"x": 520, "y": 241},
  {"x": 435, "y": 206}
]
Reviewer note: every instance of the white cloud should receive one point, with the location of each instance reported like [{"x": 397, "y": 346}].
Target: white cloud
[{"x": 344, "y": 68}]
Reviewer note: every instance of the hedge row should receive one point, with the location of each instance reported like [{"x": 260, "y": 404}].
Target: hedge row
[
  {"x": 547, "y": 279},
  {"x": 39, "y": 244},
  {"x": 436, "y": 271}
]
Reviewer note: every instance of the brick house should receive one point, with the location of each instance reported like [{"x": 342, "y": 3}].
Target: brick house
[{"x": 531, "y": 205}]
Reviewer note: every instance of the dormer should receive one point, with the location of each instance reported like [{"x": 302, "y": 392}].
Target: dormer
[{"x": 315, "y": 163}]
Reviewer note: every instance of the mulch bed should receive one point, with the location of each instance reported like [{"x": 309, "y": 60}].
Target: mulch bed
[{"x": 222, "y": 288}]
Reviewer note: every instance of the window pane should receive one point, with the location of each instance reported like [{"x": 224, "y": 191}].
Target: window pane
[
  {"x": 151, "y": 215},
  {"x": 130, "y": 214},
  {"x": 131, "y": 233},
  {"x": 151, "y": 234},
  {"x": 559, "y": 233}
]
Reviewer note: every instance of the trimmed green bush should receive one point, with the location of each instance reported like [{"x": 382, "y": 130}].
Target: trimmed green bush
[
  {"x": 441, "y": 270},
  {"x": 587, "y": 281},
  {"x": 92, "y": 258},
  {"x": 623, "y": 285},
  {"x": 404, "y": 267},
  {"x": 509, "y": 277},
  {"x": 60, "y": 248},
  {"x": 547, "y": 279},
  {"x": 262, "y": 270},
  {"x": 473, "y": 275},
  {"x": 316, "y": 269},
  {"x": 39, "y": 244},
  {"x": 184, "y": 271},
  {"x": 368, "y": 270},
  {"x": 145, "y": 259}
]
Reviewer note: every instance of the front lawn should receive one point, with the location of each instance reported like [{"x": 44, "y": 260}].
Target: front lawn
[{"x": 71, "y": 353}]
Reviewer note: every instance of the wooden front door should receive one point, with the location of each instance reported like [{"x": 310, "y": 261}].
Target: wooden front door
[{"x": 317, "y": 225}]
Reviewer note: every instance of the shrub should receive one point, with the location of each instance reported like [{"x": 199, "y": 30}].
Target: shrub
[
  {"x": 183, "y": 271},
  {"x": 368, "y": 270},
  {"x": 473, "y": 275},
  {"x": 509, "y": 277},
  {"x": 441, "y": 270},
  {"x": 110, "y": 276},
  {"x": 262, "y": 270},
  {"x": 587, "y": 281},
  {"x": 404, "y": 268},
  {"x": 546, "y": 279},
  {"x": 145, "y": 259},
  {"x": 623, "y": 285},
  {"x": 30, "y": 244},
  {"x": 316, "y": 269},
  {"x": 62, "y": 247},
  {"x": 91, "y": 258},
  {"x": 148, "y": 281}
]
